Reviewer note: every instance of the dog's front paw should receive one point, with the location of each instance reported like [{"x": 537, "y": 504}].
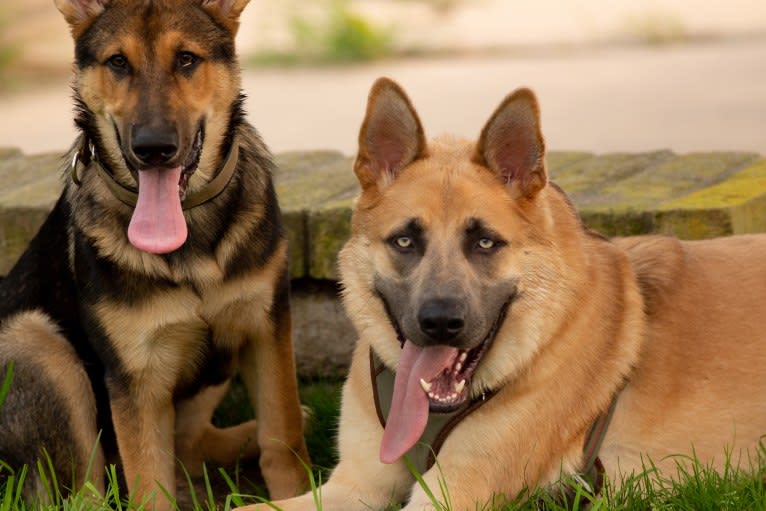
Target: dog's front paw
[
  {"x": 303, "y": 503},
  {"x": 285, "y": 472}
]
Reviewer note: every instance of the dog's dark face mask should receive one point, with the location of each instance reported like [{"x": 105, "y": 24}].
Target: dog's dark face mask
[{"x": 155, "y": 85}]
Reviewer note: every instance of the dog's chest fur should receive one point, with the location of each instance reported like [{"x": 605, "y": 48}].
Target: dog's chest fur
[{"x": 185, "y": 332}]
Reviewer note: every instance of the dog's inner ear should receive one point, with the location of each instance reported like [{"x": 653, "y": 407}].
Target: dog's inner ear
[
  {"x": 227, "y": 11},
  {"x": 511, "y": 144},
  {"x": 78, "y": 12},
  {"x": 391, "y": 136}
]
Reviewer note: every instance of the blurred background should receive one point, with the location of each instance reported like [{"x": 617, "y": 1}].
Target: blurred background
[{"x": 611, "y": 75}]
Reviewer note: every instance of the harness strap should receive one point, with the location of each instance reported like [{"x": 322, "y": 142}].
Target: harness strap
[
  {"x": 86, "y": 156},
  {"x": 439, "y": 425},
  {"x": 593, "y": 469}
]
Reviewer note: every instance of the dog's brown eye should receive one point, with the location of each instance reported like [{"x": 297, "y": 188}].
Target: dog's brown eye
[
  {"x": 485, "y": 244},
  {"x": 117, "y": 62},
  {"x": 187, "y": 60}
]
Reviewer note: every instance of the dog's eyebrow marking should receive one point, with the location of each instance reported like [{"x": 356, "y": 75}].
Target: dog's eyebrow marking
[
  {"x": 474, "y": 224},
  {"x": 412, "y": 227},
  {"x": 477, "y": 226}
]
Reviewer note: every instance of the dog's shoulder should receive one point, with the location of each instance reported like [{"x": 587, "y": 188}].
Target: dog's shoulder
[{"x": 657, "y": 262}]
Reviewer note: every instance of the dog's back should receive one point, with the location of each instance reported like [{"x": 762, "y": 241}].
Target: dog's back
[{"x": 699, "y": 380}]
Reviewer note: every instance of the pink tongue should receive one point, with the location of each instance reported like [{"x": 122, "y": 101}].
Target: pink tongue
[
  {"x": 409, "y": 405},
  {"x": 158, "y": 225}
]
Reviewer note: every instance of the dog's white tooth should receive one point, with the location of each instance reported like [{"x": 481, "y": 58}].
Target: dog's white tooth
[
  {"x": 432, "y": 395},
  {"x": 458, "y": 367},
  {"x": 459, "y": 386},
  {"x": 426, "y": 386},
  {"x": 463, "y": 356}
]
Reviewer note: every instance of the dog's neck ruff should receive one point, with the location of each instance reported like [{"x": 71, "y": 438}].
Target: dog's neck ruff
[
  {"x": 440, "y": 425},
  {"x": 86, "y": 157}
]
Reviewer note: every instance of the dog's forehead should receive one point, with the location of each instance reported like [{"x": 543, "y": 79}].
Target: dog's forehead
[
  {"x": 149, "y": 27},
  {"x": 445, "y": 195}
]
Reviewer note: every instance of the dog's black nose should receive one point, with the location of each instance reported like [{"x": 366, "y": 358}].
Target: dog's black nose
[
  {"x": 442, "y": 319},
  {"x": 154, "y": 146}
]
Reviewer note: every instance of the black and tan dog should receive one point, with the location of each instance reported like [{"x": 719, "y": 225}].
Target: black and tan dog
[
  {"x": 511, "y": 327},
  {"x": 161, "y": 269}
]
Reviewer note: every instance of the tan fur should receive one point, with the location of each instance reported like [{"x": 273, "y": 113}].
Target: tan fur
[
  {"x": 681, "y": 323},
  {"x": 198, "y": 441},
  {"x": 161, "y": 341}
]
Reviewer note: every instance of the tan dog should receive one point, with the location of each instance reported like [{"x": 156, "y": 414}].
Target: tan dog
[
  {"x": 471, "y": 276},
  {"x": 160, "y": 272}
]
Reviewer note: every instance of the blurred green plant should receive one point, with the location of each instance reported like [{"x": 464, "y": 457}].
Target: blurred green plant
[
  {"x": 342, "y": 36},
  {"x": 8, "y": 52},
  {"x": 656, "y": 27}
]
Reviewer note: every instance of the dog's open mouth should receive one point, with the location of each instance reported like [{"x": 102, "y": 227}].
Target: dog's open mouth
[
  {"x": 449, "y": 389},
  {"x": 433, "y": 378},
  {"x": 190, "y": 165},
  {"x": 158, "y": 225}
]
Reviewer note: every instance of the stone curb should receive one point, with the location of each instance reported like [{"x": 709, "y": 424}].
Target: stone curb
[
  {"x": 697, "y": 195},
  {"x": 692, "y": 196}
]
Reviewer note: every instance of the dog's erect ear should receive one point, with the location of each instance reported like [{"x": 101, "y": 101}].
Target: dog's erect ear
[
  {"x": 78, "y": 12},
  {"x": 391, "y": 136},
  {"x": 227, "y": 11},
  {"x": 511, "y": 144}
]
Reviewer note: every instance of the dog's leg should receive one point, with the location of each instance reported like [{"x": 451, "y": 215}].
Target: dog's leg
[
  {"x": 144, "y": 417},
  {"x": 198, "y": 441},
  {"x": 268, "y": 370},
  {"x": 50, "y": 406},
  {"x": 360, "y": 482}
]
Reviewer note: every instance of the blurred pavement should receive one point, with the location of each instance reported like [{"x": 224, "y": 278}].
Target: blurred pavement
[{"x": 706, "y": 91}]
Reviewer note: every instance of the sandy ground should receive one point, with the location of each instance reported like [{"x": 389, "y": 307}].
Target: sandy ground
[{"x": 707, "y": 92}]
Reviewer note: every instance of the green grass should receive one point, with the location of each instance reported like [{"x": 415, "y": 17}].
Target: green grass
[
  {"x": 6, "y": 385},
  {"x": 693, "y": 486}
]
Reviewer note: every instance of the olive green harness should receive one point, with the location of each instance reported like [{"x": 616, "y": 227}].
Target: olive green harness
[{"x": 423, "y": 454}]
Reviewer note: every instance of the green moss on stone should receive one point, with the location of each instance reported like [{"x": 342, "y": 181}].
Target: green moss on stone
[
  {"x": 595, "y": 183},
  {"x": 559, "y": 160},
  {"x": 295, "y": 224},
  {"x": 738, "y": 189},
  {"x": 694, "y": 224},
  {"x": 328, "y": 229},
  {"x": 312, "y": 183},
  {"x": 618, "y": 223},
  {"x": 677, "y": 177},
  {"x": 750, "y": 216}
]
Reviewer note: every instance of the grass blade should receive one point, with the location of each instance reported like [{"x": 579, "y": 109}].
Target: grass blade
[
  {"x": 234, "y": 496},
  {"x": 208, "y": 489},
  {"x": 6, "y": 387},
  {"x": 171, "y": 498},
  {"x": 419, "y": 478}
]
